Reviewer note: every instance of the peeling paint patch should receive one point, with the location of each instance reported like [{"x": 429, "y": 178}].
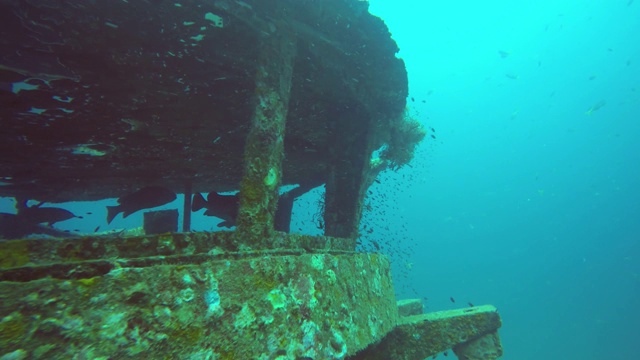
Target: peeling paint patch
[
  {"x": 22, "y": 86},
  {"x": 198, "y": 37},
  {"x": 37, "y": 110},
  {"x": 90, "y": 149},
  {"x": 66, "y": 99},
  {"x": 216, "y": 20}
]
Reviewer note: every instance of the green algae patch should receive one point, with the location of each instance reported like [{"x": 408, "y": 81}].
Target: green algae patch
[
  {"x": 12, "y": 329},
  {"x": 185, "y": 335},
  {"x": 13, "y": 253},
  {"x": 88, "y": 282}
]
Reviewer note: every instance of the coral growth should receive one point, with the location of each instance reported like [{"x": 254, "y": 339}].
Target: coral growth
[{"x": 404, "y": 136}]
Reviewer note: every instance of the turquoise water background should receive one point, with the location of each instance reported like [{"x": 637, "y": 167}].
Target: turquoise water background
[
  {"x": 528, "y": 198},
  {"x": 524, "y": 200}
]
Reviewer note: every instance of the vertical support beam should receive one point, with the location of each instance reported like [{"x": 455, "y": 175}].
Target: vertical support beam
[
  {"x": 186, "y": 218},
  {"x": 264, "y": 149},
  {"x": 348, "y": 178}
]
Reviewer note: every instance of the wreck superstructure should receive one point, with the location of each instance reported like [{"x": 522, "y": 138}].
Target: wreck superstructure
[{"x": 102, "y": 98}]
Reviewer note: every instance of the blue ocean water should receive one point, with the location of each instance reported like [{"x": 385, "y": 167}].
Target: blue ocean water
[{"x": 528, "y": 198}]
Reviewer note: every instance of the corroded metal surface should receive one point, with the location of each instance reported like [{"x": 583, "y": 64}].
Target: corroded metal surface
[
  {"x": 485, "y": 347},
  {"x": 101, "y": 98},
  {"x": 264, "y": 149},
  {"x": 317, "y": 306},
  {"x": 408, "y": 307},
  {"x": 419, "y": 336},
  {"x": 32, "y": 259}
]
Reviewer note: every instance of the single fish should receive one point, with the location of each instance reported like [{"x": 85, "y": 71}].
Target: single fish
[
  {"x": 224, "y": 207},
  {"x": 597, "y": 106},
  {"x": 145, "y": 198},
  {"x": 503, "y": 54},
  {"x": 50, "y": 215}
]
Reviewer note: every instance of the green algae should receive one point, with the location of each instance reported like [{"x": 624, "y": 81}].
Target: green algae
[{"x": 13, "y": 254}]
